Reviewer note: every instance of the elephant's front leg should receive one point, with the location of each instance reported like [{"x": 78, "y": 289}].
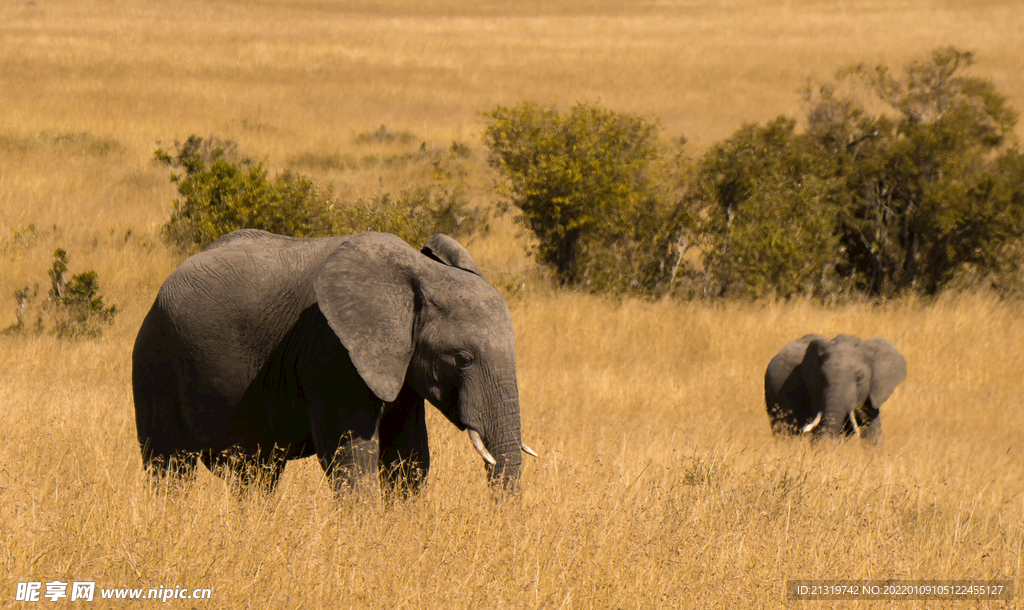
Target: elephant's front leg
[
  {"x": 343, "y": 417},
  {"x": 345, "y": 438},
  {"x": 246, "y": 470},
  {"x": 404, "y": 450},
  {"x": 349, "y": 461}
]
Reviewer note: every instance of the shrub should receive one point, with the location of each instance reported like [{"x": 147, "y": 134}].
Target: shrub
[
  {"x": 75, "y": 308},
  {"x": 417, "y": 213},
  {"x": 221, "y": 191},
  {"x": 324, "y": 162},
  {"x": 219, "y": 194},
  {"x": 591, "y": 186},
  {"x": 24, "y": 297},
  {"x": 384, "y": 135}
]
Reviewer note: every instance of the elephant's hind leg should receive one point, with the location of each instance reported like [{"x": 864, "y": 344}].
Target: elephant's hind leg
[
  {"x": 161, "y": 430},
  {"x": 162, "y": 442},
  {"x": 245, "y": 471},
  {"x": 169, "y": 468}
]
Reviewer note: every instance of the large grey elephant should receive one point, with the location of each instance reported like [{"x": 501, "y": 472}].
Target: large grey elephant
[
  {"x": 264, "y": 348},
  {"x": 835, "y": 387}
]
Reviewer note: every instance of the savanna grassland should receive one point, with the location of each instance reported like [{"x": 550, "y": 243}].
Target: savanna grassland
[{"x": 658, "y": 483}]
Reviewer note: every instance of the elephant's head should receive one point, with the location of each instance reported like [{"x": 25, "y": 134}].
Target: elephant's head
[
  {"x": 849, "y": 379},
  {"x": 431, "y": 321}
]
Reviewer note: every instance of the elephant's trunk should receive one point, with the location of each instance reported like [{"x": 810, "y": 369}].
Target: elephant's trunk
[
  {"x": 504, "y": 473},
  {"x": 494, "y": 432},
  {"x": 840, "y": 403},
  {"x": 488, "y": 408},
  {"x": 504, "y": 443}
]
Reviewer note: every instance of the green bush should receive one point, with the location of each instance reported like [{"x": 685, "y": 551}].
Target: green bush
[
  {"x": 75, "y": 308},
  {"x": 417, "y": 213},
  {"x": 591, "y": 185},
  {"x": 220, "y": 191},
  {"x": 219, "y": 194}
]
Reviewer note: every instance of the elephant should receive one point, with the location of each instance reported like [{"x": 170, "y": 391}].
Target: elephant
[
  {"x": 264, "y": 348},
  {"x": 833, "y": 388}
]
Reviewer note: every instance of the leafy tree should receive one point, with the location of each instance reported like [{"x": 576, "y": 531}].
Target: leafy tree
[
  {"x": 898, "y": 183},
  {"x": 767, "y": 201},
  {"x": 934, "y": 179},
  {"x": 590, "y": 185}
]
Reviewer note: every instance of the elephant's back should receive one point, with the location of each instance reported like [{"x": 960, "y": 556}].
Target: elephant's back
[
  {"x": 259, "y": 237},
  {"x": 228, "y": 306},
  {"x": 246, "y": 269}
]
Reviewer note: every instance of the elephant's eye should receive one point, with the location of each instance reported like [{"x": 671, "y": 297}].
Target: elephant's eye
[{"x": 464, "y": 358}]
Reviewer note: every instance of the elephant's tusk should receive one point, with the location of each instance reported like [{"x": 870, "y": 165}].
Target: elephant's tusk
[
  {"x": 474, "y": 437},
  {"x": 853, "y": 421},
  {"x": 527, "y": 450},
  {"x": 813, "y": 424}
]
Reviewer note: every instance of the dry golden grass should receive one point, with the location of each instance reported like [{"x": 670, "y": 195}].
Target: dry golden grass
[{"x": 658, "y": 482}]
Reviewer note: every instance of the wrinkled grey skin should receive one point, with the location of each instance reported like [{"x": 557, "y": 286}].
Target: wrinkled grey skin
[
  {"x": 844, "y": 380},
  {"x": 264, "y": 348}
]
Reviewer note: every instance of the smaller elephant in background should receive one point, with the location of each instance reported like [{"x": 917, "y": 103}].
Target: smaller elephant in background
[{"x": 833, "y": 388}]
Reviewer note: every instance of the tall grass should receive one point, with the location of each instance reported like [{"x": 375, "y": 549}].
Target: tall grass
[{"x": 658, "y": 483}]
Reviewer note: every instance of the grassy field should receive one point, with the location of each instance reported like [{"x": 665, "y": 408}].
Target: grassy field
[{"x": 658, "y": 483}]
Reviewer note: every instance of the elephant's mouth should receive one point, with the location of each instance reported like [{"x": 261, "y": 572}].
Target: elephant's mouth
[
  {"x": 864, "y": 414},
  {"x": 850, "y": 419},
  {"x": 854, "y": 421}
]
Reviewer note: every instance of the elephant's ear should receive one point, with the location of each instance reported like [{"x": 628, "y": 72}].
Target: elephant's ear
[
  {"x": 365, "y": 290},
  {"x": 889, "y": 368},
  {"x": 789, "y": 358},
  {"x": 444, "y": 249},
  {"x": 813, "y": 355}
]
